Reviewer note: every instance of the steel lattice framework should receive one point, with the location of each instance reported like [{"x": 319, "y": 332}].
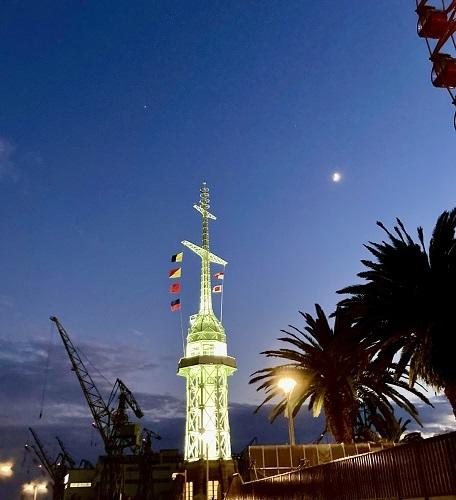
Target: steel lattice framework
[{"x": 206, "y": 365}]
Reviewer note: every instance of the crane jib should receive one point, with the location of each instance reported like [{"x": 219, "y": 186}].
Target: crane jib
[{"x": 117, "y": 432}]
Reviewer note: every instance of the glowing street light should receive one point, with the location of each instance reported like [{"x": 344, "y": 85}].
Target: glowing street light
[
  {"x": 6, "y": 469},
  {"x": 34, "y": 487},
  {"x": 287, "y": 385}
]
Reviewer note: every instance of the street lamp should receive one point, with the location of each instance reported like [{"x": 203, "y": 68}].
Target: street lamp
[
  {"x": 175, "y": 475},
  {"x": 287, "y": 385},
  {"x": 6, "y": 469},
  {"x": 34, "y": 487}
]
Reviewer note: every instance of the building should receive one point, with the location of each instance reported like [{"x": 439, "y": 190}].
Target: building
[{"x": 130, "y": 477}]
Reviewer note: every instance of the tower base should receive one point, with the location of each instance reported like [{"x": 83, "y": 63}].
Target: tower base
[{"x": 217, "y": 472}]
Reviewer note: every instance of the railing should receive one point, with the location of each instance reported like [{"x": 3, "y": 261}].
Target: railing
[{"x": 415, "y": 470}]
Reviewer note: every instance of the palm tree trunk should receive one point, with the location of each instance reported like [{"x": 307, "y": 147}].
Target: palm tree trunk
[
  {"x": 450, "y": 393},
  {"x": 339, "y": 416},
  {"x": 338, "y": 429}
]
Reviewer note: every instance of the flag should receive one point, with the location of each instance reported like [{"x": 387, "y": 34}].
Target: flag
[
  {"x": 178, "y": 257},
  {"x": 217, "y": 289},
  {"x": 175, "y": 273},
  {"x": 175, "y": 288},
  {"x": 219, "y": 276},
  {"x": 175, "y": 305}
]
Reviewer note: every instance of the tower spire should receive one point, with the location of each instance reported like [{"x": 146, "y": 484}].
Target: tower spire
[
  {"x": 205, "y": 307},
  {"x": 205, "y": 295}
]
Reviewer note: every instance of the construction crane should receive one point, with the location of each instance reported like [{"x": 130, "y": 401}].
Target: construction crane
[
  {"x": 116, "y": 431},
  {"x": 83, "y": 464},
  {"x": 57, "y": 468},
  {"x": 65, "y": 455},
  {"x": 146, "y": 440}
]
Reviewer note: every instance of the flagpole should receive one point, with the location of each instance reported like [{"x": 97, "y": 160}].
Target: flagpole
[
  {"x": 221, "y": 298},
  {"x": 182, "y": 332}
]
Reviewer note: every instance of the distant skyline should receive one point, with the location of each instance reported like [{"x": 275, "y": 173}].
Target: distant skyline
[{"x": 112, "y": 116}]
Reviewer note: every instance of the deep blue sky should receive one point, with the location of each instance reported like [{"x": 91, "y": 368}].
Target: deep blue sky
[{"x": 113, "y": 113}]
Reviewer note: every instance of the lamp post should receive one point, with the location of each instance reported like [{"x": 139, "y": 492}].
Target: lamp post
[
  {"x": 174, "y": 476},
  {"x": 287, "y": 385},
  {"x": 205, "y": 439},
  {"x": 35, "y": 488},
  {"x": 207, "y": 470}
]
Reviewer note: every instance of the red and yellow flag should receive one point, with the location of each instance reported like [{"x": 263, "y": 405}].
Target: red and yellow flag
[{"x": 175, "y": 273}]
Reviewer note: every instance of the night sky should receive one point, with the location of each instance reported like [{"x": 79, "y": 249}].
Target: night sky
[{"x": 113, "y": 113}]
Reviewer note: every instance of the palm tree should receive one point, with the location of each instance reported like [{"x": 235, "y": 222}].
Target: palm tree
[
  {"x": 335, "y": 372},
  {"x": 408, "y": 300},
  {"x": 390, "y": 430},
  {"x": 373, "y": 425}
]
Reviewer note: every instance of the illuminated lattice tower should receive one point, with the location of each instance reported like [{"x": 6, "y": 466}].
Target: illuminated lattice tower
[{"x": 206, "y": 365}]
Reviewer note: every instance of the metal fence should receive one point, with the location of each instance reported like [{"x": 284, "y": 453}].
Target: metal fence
[
  {"x": 416, "y": 470},
  {"x": 262, "y": 461}
]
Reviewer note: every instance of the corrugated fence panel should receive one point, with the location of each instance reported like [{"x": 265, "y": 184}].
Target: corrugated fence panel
[{"x": 420, "y": 469}]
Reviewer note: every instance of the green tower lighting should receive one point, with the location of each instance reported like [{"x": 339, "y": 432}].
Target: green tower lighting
[{"x": 206, "y": 365}]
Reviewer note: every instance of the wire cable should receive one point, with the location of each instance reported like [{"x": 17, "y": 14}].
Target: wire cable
[
  {"x": 93, "y": 366},
  {"x": 46, "y": 373},
  {"x": 221, "y": 298}
]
